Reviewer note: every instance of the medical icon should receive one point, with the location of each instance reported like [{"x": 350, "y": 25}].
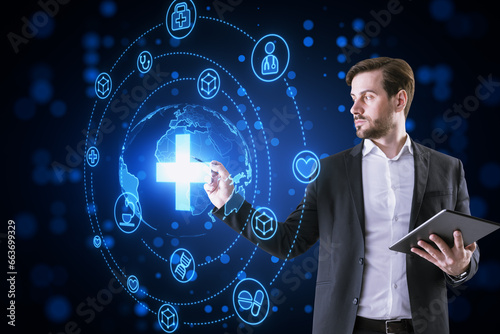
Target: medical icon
[
  {"x": 181, "y": 17},
  {"x": 251, "y": 301},
  {"x": 182, "y": 172},
  {"x": 306, "y": 166},
  {"x": 133, "y": 283},
  {"x": 92, "y": 156},
  {"x": 270, "y": 63},
  {"x": 103, "y": 85},
  {"x": 144, "y": 62},
  {"x": 264, "y": 223},
  {"x": 97, "y": 241},
  {"x": 182, "y": 265},
  {"x": 168, "y": 319},
  {"x": 208, "y": 83},
  {"x": 247, "y": 302},
  {"x": 270, "y": 58},
  {"x": 127, "y": 213}
]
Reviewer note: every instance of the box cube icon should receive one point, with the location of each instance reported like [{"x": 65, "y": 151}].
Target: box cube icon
[
  {"x": 168, "y": 318},
  {"x": 103, "y": 85},
  {"x": 263, "y": 223},
  {"x": 208, "y": 83}
]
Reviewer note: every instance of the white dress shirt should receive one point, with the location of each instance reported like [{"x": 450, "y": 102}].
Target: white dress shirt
[{"x": 388, "y": 192}]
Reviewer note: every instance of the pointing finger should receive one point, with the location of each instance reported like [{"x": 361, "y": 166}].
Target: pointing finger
[{"x": 219, "y": 168}]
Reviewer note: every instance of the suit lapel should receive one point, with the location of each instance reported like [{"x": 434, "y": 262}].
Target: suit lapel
[
  {"x": 421, "y": 157},
  {"x": 355, "y": 178}
]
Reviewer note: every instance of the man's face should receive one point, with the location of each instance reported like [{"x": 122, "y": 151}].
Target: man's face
[{"x": 372, "y": 109}]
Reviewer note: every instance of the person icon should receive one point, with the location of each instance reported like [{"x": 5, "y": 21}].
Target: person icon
[{"x": 270, "y": 63}]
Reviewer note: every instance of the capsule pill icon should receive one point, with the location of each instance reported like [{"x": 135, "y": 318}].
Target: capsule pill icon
[{"x": 257, "y": 302}]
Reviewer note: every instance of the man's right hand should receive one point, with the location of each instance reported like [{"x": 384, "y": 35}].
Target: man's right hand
[{"x": 221, "y": 187}]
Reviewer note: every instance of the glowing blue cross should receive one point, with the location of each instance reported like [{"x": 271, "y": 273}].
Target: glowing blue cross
[{"x": 183, "y": 172}]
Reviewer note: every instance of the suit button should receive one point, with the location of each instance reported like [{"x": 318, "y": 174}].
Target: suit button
[
  {"x": 361, "y": 261},
  {"x": 355, "y": 301}
]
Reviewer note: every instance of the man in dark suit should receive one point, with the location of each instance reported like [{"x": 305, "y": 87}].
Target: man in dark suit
[{"x": 361, "y": 201}]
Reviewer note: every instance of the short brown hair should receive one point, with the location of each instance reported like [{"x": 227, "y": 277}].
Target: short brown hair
[{"x": 397, "y": 75}]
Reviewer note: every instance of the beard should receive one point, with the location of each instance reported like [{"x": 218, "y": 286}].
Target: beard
[{"x": 375, "y": 129}]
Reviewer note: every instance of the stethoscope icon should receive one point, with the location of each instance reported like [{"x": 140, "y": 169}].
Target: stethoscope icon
[{"x": 144, "y": 62}]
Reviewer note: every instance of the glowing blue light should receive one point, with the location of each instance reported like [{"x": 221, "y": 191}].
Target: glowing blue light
[
  {"x": 308, "y": 309},
  {"x": 291, "y": 75},
  {"x": 308, "y": 41},
  {"x": 241, "y": 58},
  {"x": 108, "y": 8},
  {"x": 341, "y": 108},
  {"x": 58, "y": 308},
  {"x": 291, "y": 91},
  {"x": 275, "y": 141},
  {"x": 341, "y": 41},
  {"x": 182, "y": 172},
  {"x": 358, "y": 24},
  {"x": 442, "y": 10},
  {"x": 225, "y": 259},
  {"x": 41, "y": 91},
  {"x": 308, "y": 25}
]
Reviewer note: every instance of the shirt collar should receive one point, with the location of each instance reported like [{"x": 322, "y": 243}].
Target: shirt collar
[{"x": 369, "y": 146}]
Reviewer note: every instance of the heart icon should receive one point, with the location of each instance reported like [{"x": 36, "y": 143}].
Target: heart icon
[
  {"x": 306, "y": 168},
  {"x": 133, "y": 283}
]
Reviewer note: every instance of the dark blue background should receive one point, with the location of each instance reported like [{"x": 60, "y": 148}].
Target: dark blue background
[{"x": 47, "y": 88}]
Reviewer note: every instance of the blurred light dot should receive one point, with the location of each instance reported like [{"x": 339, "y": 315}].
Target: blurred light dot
[
  {"x": 158, "y": 241},
  {"x": 58, "y": 225},
  {"x": 57, "y": 309},
  {"x": 291, "y": 91},
  {"x": 44, "y": 23},
  {"x": 358, "y": 24},
  {"x": 308, "y": 125},
  {"x": 225, "y": 309},
  {"x": 241, "y": 125},
  {"x": 24, "y": 108},
  {"x": 274, "y": 259},
  {"x": 175, "y": 91},
  {"x": 410, "y": 125},
  {"x": 41, "y": 91},
  {"x": 108, "y": 41},
  {"x": 41, "y": 275},
  {"x": 308, "y": 25},
  {"x": 91, "y": 41},
  {"x": 341, "y": 108},
  {"x": 308, "y": 41},
  {"x": 291, "y": 75},
  {"x": 26, "y": 225},
  {"x": 442, "y": 92},
  {"x": 257, "y": 125},
  {"x": 208, "y": 225},
  {"x": 174, "y": 242},
  {"x": 489, "y": 174},
  {"x": 242, "y": 275},
  {"x": 225, "y": 258},
  {"x": 175, "y": 225},
  {"x": 359, "y": 41},
  {"x": 89, "y": 75},
  {"x": 241, "y": 58},
  {"x": 291, "y": 192},
  {"x": 41, "y": 157},
  {"x": 443, "y": 73},
  {"x": 441, "y": 10},
  {"x": 58, "y": 108},
  {"x": 341, "y": 41},
  {"x": 341, "y": 75},
  {"x": 108, "y": 8},
  {"x": 242, "y": 108},
  {"x": 208, "y": 309},
  {"x": 140, "y": 310},
  {"x": 242, "y": 91},
  {"x": 341, "y": 58},
  {"x": 308, "y": 309},
  {"x": 175, "y": 75},
  {"x": 109, "y": 241},
  {"x": 275, "y": 141},
  {"x": 424, "y": 75},
  {"x": 275, "y": 309},
  {"x": 174, "y": 42}
]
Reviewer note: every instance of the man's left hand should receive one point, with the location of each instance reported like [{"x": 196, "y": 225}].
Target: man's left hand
[{"x": 453, "y": 261}]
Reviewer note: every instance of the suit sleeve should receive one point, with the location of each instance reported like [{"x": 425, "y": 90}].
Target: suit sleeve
[
  {"x": 462, "y": 205},
  {"x": 293, "y": 237}
]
